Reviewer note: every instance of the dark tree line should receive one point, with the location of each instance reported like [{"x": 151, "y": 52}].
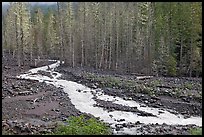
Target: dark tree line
[{"x": 153, "y": 38}]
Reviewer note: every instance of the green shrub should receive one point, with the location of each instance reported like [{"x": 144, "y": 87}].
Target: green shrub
[
  {"x": 81, "y": 126},
  {"x": 177, "y": 92},
  {"x": 155, "y": 83},
  {"x": 196, "y": 131},
  {"x": 188, "y": 86},
  {"x": 4, "y": 132}
]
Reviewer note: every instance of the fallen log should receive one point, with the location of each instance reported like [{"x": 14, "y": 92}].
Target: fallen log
[
  {"x": 12, "y": 77},
  {"x": 164, "y": 86},
  {"x": 24, "y": 92},
  {"x": 143, "y": 77},
  {"x": 137, "y": 74}
]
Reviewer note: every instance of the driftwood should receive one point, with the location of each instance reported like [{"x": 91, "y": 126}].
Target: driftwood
[
  {"x": 144, "y": 77},
  {"x": 33, "y": 66},
  {"x": 12, "y": 77},
  {"x": 36, "y": 61},
  {"x": 35, "y": 100},
  {"x": 164, "y": 86},
  {"x": 11, "y": 92},
  {"x": 7, "y": 67},
  {"x": 24, "y": 92},
  {"x": 138, "y": 74}
]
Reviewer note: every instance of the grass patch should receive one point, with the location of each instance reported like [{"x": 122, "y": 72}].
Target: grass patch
[
  {"x": 188, "y": 86},
  {"x": 81, "y": 126},
  {"x": 155, "y": 83},
  {"x": 177, "y": 92},
  {"x": 111, "y": 81},
  {"x": 196, "y": 131},
  {"x": 5, "y": 132}
]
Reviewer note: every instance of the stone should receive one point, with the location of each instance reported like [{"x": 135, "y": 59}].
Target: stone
[
  {"x": 146, "y": 101},
  {"x": 138, "y": 122},
  {"x": 160, "y": 112},
  {"x": 124, "y": 125},
  {"x": 143, "y": 105},
  {"x": 122, "y": 120}
]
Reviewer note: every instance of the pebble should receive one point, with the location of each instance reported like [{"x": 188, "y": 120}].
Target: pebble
[
  {"x": 117, "y": 129},
  {"x": 143, "y": 105},
  {"x": 79, "y": 90},
  {"x": 64, "y": 118},
  {"x": 121, "y": 120},
  {"x": 146, "y": 101},
  {"x": 160, "y": 112}
]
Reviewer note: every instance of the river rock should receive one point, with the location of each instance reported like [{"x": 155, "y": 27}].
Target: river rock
[
  {"x": 160, "y": 112},
  {"x": 138, "y": 122},
  {"x": 79, "y": 90},
  {"x": 143, "y": 105},
  {"x": 120, "y": 120},
  {"x": 146, "y": 101},
  {"x": 124, "y": 125}
]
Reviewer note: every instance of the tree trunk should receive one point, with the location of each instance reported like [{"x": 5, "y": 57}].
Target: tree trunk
[
  {"x": 73, "y": 52},
  {"x": 82, "y": 53},
  {"x": 109, "y": 65},
  {"x": 181, "y": 52},
  {"x": 102, "y": 55},
  {"x": 61, "y": 35},
  {"x": 191, "y": 59},
  {"x": 17, "y": 44},
  {"x": 103, "y": 46},
  {"x": 70, "y": 47},
  {"x": 22, "y": 35},
  {"x": 117, "y": 43}
]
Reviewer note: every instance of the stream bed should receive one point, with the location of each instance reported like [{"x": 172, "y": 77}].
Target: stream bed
[{"x": 84, "y": 99}]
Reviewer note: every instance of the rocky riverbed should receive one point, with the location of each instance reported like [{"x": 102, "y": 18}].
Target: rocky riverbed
[{"x": 32, "y": 107}]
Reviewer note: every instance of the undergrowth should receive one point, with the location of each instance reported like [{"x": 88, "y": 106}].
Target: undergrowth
[
  {"x": 196, "y": 131},
  {"x": 82, "y": 126}
]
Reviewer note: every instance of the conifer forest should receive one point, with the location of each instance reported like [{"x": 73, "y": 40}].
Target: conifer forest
[{"x": 153, "y": 38}]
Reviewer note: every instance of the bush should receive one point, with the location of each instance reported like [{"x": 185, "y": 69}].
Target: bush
[
  {"x": 81, "y": 126},
  {"x": 4, "y": 132},
  {"x": 196, "y": 131}
]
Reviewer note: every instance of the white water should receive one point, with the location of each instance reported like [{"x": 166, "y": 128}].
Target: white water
[{"x": 84, "y": 102}]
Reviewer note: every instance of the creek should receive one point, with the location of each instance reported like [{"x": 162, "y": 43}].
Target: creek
[{"x": 84, "y": 102}]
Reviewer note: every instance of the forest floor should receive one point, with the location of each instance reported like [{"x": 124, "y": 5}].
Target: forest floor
[{"x": 31, "y": 107}]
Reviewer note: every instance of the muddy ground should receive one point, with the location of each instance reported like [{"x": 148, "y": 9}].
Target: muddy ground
[{"x": 30, "y": 107}]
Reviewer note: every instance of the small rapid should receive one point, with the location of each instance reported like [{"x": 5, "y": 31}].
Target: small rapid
[{"x": 84, "y": 102}]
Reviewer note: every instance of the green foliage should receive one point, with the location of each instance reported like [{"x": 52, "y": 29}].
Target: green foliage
[
  {"x": 188, "y": 85},
  {"x": 196, "y": 131},
  {"x": 155, "y": 83},
  {"x": 81, "y": 126},
  {"x": 4, "y": 132},
  {"x": 111, "y": 81},
  {"x": 148, "y": 90},
  {"x": 177, "y": 92},
  {"x": 171, "y": 66}
]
